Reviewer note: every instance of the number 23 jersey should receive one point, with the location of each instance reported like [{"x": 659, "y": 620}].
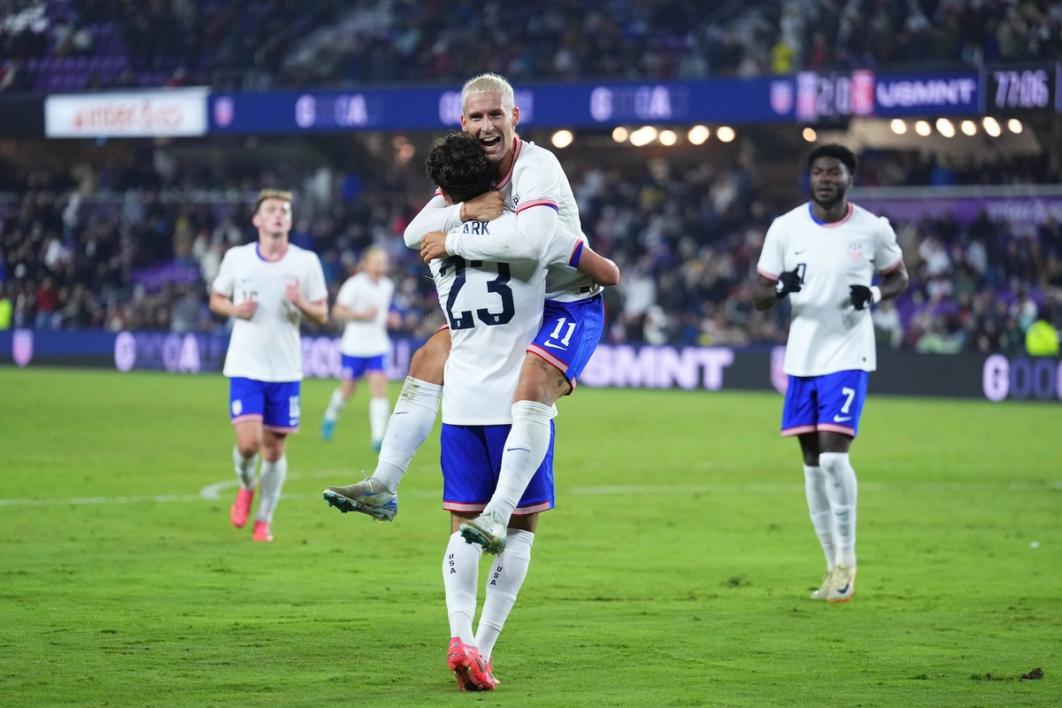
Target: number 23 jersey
[{"x": 493, "y": 310}]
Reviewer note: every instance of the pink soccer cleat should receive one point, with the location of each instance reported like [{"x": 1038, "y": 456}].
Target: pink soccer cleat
[
  {"x": 241, "y": 508},
  {"x": 261, "y": 532},
  {"x": 469, "y": 668}
]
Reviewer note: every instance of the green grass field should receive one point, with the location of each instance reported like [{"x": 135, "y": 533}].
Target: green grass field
[{"x": 674, "y": 572}]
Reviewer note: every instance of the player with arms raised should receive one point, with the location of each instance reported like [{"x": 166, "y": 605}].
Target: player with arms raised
[
  {"x": 268, "y": 286},
  {"x": 823, "y": 256},
  {"x": 530, "y": 182}
]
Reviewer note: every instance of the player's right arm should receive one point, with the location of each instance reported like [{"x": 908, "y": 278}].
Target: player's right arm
[
  {"x": 222, "y": 289},
  {"x": 440, "y": 215},
  {"x": 508, "y": 238},
  {"x": 773, "y": 282}
]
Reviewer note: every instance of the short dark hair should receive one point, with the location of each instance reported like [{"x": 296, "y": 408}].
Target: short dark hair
[
  {"x": 838, "y": 152},
  {"x": 458, "y": 165}
]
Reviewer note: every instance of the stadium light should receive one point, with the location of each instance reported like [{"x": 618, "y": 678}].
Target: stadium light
[
  {"x": 562, "y": 139},
  {"x": 945, "y": 127},
  {"x": 810, "y": 135},
  {"x": 991, "y": 126},
  {"x": 922, "y": 128},
  {"x": 969, "y": 128},
  {"x": 643, "y": 136},
  {"x": 898, "y": 126},
  {"x": 668, "y": 137},
  {"x": 699, "y": 134},
  {"x": 725, "y": 133},
  {"x": 1014, "y": 125},
  {"x": 620, "y": 134}
]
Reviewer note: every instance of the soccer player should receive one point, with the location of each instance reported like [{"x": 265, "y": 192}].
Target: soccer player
[
  {"x": 530, "y": 182},
  {"x": 268, "y": 286},
  {"x": 364, "y": 302},
  {"x": 494, "y": 310},
  {"x": 823, "y": 256}
]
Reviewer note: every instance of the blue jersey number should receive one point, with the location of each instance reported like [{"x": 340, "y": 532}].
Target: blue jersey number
[{"x": 465, "y": 319}]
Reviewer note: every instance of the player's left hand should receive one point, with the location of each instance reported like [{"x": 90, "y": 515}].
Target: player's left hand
[
  {"x": 433, "y": 246},
  {"x": 292, "y": 294},
  {"x": 861, "y": 295}
]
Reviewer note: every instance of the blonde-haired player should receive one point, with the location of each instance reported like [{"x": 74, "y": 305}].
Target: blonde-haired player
[
  {"x": 364, "y": 303},
  {"x": 267, "y": 286}
]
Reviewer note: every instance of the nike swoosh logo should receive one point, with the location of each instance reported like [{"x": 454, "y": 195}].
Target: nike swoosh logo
[
  {"x": 800, "y": 251},
  {"x": 841, "y": 419},
  {"x": 554, "y": 346},
  {"x": 511, "y": 449},
  {"x": 843, "y": 590}
]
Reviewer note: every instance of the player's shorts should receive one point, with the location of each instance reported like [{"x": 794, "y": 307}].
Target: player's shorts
[
  {"x": 275, "y": 402},
  {"x": 354, "y": 367},
  {"x": 570, "y": 333},
  {"x": 471, "y": 462},
  {"x": 831, "y": 403}
]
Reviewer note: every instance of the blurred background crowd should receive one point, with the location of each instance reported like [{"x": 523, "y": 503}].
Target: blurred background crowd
[{"x": 129, "y": 234}]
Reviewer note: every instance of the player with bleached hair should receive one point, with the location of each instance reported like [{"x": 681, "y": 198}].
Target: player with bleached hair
[
  {"x": 529, "y": 182},
  {"x": 823, "y": 256},
  {"x": 494, "y": 310},
  {"x": 364, "y": 303},
  {"x": 267, "y": 286}
]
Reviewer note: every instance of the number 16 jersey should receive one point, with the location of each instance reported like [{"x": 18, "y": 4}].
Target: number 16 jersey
[{"x": 493, "y": 310}]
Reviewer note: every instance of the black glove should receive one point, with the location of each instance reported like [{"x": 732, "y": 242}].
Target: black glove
[
  {"x": 861, "y": 295},
  {"x": 788, "y": 282}
]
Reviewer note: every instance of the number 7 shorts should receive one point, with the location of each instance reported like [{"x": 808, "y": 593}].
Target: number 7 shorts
[
  {"x": 830, "y": 403},
  {"x": 570, "y": 333}
]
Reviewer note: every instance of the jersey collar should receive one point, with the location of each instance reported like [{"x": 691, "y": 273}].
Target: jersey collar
[
  {"x": 830, "y": 225},
  {"x": 517, "y": 145}
]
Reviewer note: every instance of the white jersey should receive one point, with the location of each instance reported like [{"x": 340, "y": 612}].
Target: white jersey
[
  {"x": 494, "y": 310},
  {"x": 827, "y": 334},
  {"x": 535, "y": 179},
  {"x": 267, "y": 346},
  {"x": 366, "y": 337}
]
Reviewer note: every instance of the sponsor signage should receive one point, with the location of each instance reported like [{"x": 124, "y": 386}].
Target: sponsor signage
[
  {"x": 975, "y": 376},
  {"x": 132, "y": 114}
]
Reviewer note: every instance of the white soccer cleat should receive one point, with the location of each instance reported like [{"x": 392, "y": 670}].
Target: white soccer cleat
[
  {"x": 368, "y": 496},
  {"x": 842, "y": 586},
  {"x": 823, "y": 589},
  {"x": 486, "y": 530}
]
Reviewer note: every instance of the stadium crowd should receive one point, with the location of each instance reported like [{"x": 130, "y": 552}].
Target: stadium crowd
[
  {"x": 52, "y": 45},
  {"x": 137, "y": 247}
]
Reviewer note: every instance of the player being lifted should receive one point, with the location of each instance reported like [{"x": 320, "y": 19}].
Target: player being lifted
[
  {"x": 268, "y": 287},
  {"x": 531, "y": 183},
  {"x": 823, "y": 255},
  {"x": 494, "y": 309},
  {"x": 364, "y": 303}
]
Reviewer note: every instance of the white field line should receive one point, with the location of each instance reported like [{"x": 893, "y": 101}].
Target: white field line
[{"x": 214, "y": 491}]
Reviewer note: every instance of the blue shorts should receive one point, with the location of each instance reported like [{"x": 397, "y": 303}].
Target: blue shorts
[
  {"x": 354, "y": 367},
  {"x": 275, "y": 402},
  {"x": 570, "y": 333},
  {"x": 471, "y": 461},
  {"x": 832, "y": 403}
]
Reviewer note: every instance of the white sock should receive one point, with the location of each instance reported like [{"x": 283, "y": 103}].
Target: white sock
[
  {"x": 819, "y": 508},
  {"x": 244, "y": 468},
  {"x": 335, "y": 406},
  {"x": 378, "y": 409},
  {"x": 842, "y": 490},
  {"x": 506, "y": 577},
  {"x": 273, "y": 475},
  {"x": 525, "y": 448},
  {"x": 408, "y": 428},
  {"x": 460, "y": 570}
]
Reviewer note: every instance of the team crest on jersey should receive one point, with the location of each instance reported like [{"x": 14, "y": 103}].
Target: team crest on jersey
[{"x": 855, "y": 252}]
